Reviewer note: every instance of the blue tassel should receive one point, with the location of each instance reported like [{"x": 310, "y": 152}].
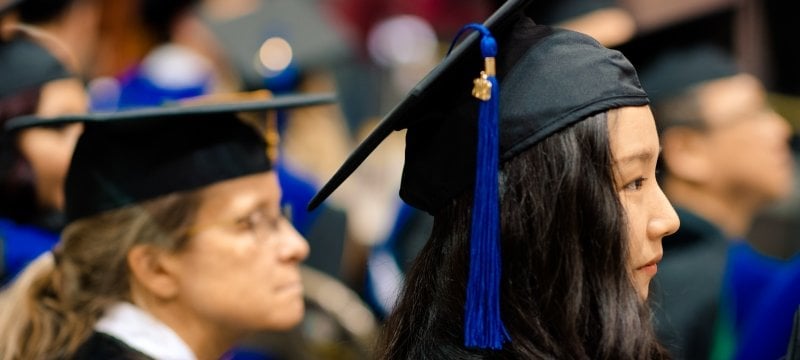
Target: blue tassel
[{"x": 483, "y": 326}]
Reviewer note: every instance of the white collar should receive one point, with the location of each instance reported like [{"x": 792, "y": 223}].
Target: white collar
[{"x": 141, "y": 331}]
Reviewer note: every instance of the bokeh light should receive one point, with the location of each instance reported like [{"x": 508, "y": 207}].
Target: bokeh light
[
  {"x": 274, "y": 55},
  {"x": 402, "y": 40}
]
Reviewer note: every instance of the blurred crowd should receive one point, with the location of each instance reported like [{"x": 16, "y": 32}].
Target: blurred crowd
[{"x": 722, "y": 76}]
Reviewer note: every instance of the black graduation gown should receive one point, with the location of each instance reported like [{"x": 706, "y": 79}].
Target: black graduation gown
[{"x": 103, "y": 346}]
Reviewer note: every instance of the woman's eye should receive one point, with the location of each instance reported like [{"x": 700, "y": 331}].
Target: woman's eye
[
  {"x": 635, "y": 184},
  {"x": 246, "y": 223},
  {"x": 276, "y": 222}
]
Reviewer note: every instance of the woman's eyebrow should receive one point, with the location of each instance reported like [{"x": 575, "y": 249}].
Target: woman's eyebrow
[{"x": 641, "y": 155}]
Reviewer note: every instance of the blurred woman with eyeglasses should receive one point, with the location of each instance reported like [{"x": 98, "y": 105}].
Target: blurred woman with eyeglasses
[{"x": 175, "y": 246}]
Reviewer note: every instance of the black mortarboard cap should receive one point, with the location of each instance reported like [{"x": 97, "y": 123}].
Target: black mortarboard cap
[
  {"x": 25, "y": 65},
  {"x": 549, "y": 79},
  {"x": 127, "y": 157},
  {"x": 675, "y": 69}
]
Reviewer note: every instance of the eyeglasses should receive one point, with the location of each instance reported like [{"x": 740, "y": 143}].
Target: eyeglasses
[{"x": 258, "y": 222}]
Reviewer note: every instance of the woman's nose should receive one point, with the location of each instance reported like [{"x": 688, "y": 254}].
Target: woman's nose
[
  {"x": 295, "y": 247},
  {"x": 665, "y": 222}
]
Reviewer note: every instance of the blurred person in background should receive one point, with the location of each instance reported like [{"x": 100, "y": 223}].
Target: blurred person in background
[
  {"x": 74, "y": 23},
  {"x": 34, "y": 162},
  {"x": 725, "y": 157},
  {"x": 280, "y": 47},
  {"x": 170, "y": 52},
  {"x": 152, "y": 52},
  {"x": 175, "y": 248}
]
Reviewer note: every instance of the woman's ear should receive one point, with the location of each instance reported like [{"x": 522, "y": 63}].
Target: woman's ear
[
  {"x": 685, "y": 155},
  {"x": 150, "y": 271}
]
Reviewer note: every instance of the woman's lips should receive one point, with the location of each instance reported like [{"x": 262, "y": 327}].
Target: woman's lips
[
  {"x": 291, "y": 287},
  {"x": 651, "y": 267}
]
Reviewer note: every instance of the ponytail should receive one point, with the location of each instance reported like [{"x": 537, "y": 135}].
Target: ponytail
[
  {"x": 17, "y": 303},
  {"x": 36, "y": 321},
  {"x": 28, "y": 318},
  {"x": 52, "y": 307}
]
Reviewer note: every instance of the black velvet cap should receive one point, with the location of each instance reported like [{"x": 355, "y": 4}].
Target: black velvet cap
[
  {"x": 25, "y": 65},
  {"x": 549, "y": 79},
  {"x": 127, "y": 157},
  {"x": 676, "y": 69}
]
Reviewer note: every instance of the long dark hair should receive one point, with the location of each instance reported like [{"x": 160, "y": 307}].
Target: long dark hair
[{"x": 566, "y": 291}]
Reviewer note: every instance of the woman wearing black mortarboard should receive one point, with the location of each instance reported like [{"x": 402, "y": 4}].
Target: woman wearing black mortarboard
[
  {"x": 544, "y": 246},
  {"x": 33, "y": 162},
  {"x": 603, "y": 20},
  {"x": 175, "y": 245}
]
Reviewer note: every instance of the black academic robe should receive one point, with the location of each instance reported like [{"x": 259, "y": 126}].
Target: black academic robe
[
  {"x": 686, "y": 291},
  {"x": 102, "y": 346}
]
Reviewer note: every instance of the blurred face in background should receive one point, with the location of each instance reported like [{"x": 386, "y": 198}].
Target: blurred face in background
[
  {"x": 748, "y": 142},
  {"x": 48, "y": 150},
  {"x": 240, "y": 271}
]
